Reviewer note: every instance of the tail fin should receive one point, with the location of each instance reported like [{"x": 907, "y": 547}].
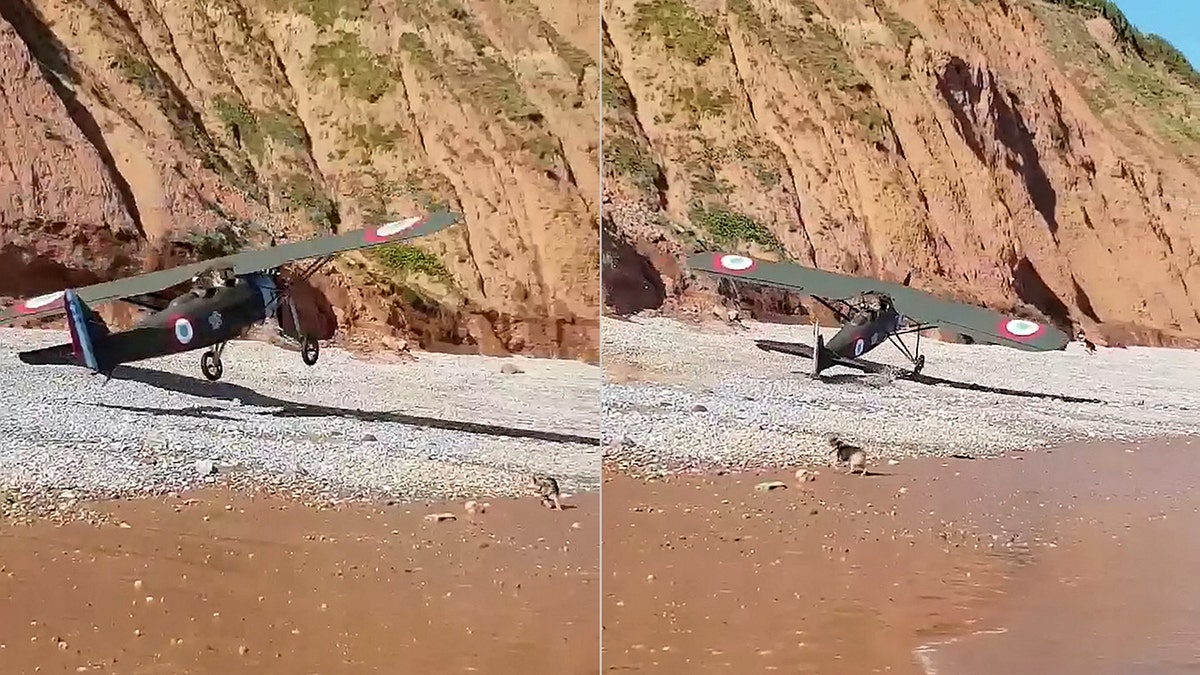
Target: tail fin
[
  {"x": 85, "y": 326},
  {"x": 820, "y": 355}
]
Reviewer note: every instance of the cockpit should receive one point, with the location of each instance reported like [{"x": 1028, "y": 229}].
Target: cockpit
[
  {"x": 206, "y": 283},
  {"x": 870, "y": 305}
]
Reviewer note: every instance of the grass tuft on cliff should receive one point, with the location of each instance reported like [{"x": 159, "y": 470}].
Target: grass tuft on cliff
[
  {"x": 356, "y": 68},
  {"x": 684, "y": 31},
  {"x": 324, "y": 12},
  {"x": 404, "y": 258},
  {"x": 1151, "y": 47},
  {"x": 624, "y": 156},
  {"x": 222, "y": 241},
  {"x": 1168, "y": 98},
  {"x": 729, "y": 228}
]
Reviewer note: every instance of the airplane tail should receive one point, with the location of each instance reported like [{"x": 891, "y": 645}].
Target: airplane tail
[
  {"x": 821, "y": 358},
  {"x": 86, "y": 327}
]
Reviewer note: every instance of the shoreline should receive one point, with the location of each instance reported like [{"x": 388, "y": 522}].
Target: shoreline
[
  {"x": 932, "y": 559},
  {"x": 72, "y": 505}
]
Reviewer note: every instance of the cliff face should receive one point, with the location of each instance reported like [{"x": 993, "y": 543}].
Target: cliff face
[
  {"x": 134, "y": 133},
  {"x": 1022, "y": 154}
]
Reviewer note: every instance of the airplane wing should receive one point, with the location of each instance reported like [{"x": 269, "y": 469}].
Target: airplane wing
[
  {"x": 144, "y": 286},
  {"x": 982, "y": 325}
]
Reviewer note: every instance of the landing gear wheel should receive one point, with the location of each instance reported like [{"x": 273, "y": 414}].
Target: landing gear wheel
[
  {"x": 919, "y": 365},
  {"x": 211, "y": 366},
  {"x": 310, "y": 351}
]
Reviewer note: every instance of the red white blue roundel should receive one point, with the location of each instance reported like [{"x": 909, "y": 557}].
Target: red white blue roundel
[
  {"x": 732, "y": 262},
  {"x": 389, "y": 230},
  {"x": 183, "y": 330},
  {"x": 40, "y": 302},
  {"x": 1021, "y": 329}
]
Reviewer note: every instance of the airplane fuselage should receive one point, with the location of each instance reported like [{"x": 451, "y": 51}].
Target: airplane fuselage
[
  {"x": 865, "y": 331},
  {"x": 207, "y": 317},
  {"x": 198, "y": 319}
]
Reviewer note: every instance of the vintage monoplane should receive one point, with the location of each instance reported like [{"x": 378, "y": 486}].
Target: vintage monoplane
[
  {"x": 228, "y": 296},
  {"x": 873, "y": 312}
]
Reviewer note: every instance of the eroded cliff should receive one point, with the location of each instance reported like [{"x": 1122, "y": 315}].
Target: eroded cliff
[
  {"x": 1031, "y": 156},
  {"x": 134, "y": 133}
]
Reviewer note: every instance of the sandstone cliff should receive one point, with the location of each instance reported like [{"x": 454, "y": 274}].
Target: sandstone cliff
[
  {"x": 135, "y": 133},
  {"x": 1032, "y": 156}
]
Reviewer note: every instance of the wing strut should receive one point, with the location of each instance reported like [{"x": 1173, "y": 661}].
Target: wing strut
[
  {"x": 841, "y": 315},
  {"x": 315, "y": 267},
  {"x": 914, "y": 355}
]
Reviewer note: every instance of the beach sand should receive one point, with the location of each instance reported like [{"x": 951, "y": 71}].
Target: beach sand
[
  {"x": 1072, "y": 560},
  {"x": 242, "y": 584}
]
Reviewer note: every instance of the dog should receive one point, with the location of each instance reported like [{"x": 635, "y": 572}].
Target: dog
[
  {"x": 1087, "y": 344},
  {"x": 546, "y": 488},
  {"x": 842, "y": 452}
]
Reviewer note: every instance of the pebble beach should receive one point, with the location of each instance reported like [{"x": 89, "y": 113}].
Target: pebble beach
[
  {"x": 439, "y": 427},
  {"x": 680, "y": 398}
]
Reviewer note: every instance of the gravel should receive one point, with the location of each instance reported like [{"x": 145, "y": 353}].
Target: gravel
[
  {"x": 708, "y": 398},
  {"x": 158, "y": 426}
]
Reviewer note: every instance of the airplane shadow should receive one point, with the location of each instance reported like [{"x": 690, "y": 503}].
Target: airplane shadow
[
  {"x": 866, "y": 380},
  {"x": 225, "y": 390},
  {"x": 971, "y": 386}
]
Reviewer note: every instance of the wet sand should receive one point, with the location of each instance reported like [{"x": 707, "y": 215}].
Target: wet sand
[
  {"x": 1051, "y": 561},
  {"x": 241, "y": 584}
]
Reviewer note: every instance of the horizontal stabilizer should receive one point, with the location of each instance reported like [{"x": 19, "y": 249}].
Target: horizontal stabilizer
[{"x": 806, "y": 351}]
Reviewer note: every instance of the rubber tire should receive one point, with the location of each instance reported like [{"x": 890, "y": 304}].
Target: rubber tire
[
  {"x": 919, "y": 365},
  {"x": 310, "y": 350},
  {"x": 211, "y": 367}
]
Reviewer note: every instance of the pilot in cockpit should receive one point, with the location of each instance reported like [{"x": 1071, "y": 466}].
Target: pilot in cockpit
[
  {"x": 869, "y": 306},
  {"x": 206, "y": 283}
]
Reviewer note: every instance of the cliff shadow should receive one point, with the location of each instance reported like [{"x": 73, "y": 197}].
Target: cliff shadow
[
  {"x": 630, "y": 282},
  {"x": 53, "y": 59},
  {"x": 26, "y": 274},
  {"x": 962, "y": 88},
  {"x": 314, "y": 309}
]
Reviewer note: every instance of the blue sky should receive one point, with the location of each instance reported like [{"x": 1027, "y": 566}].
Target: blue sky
[{"x": 1176, "y": 20}]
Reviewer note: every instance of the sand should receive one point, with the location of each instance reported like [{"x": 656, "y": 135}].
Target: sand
[
  {"x": 1048, "y": 561},
  {"x": 1069, "y": 561},
  {"x": 219, "y": 582}
]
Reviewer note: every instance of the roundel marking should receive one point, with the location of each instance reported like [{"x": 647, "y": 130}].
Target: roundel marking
[
  {"x": 731, "y": 262},
  {"x": 1022, "y": 329},
  {"x": 36, "y": 303},
  {"x": 183, "y": 330},
  {"x": 859, "y": 346},
  {"x": 389, "y": 230}
]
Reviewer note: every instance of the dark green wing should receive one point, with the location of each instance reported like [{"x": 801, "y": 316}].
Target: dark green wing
[
  {"x": 400, "y": 230},
  {"x": 982, "y": 325},
  {"x": 806, "y": 280},
  {"x": 246, "y": 262}
]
